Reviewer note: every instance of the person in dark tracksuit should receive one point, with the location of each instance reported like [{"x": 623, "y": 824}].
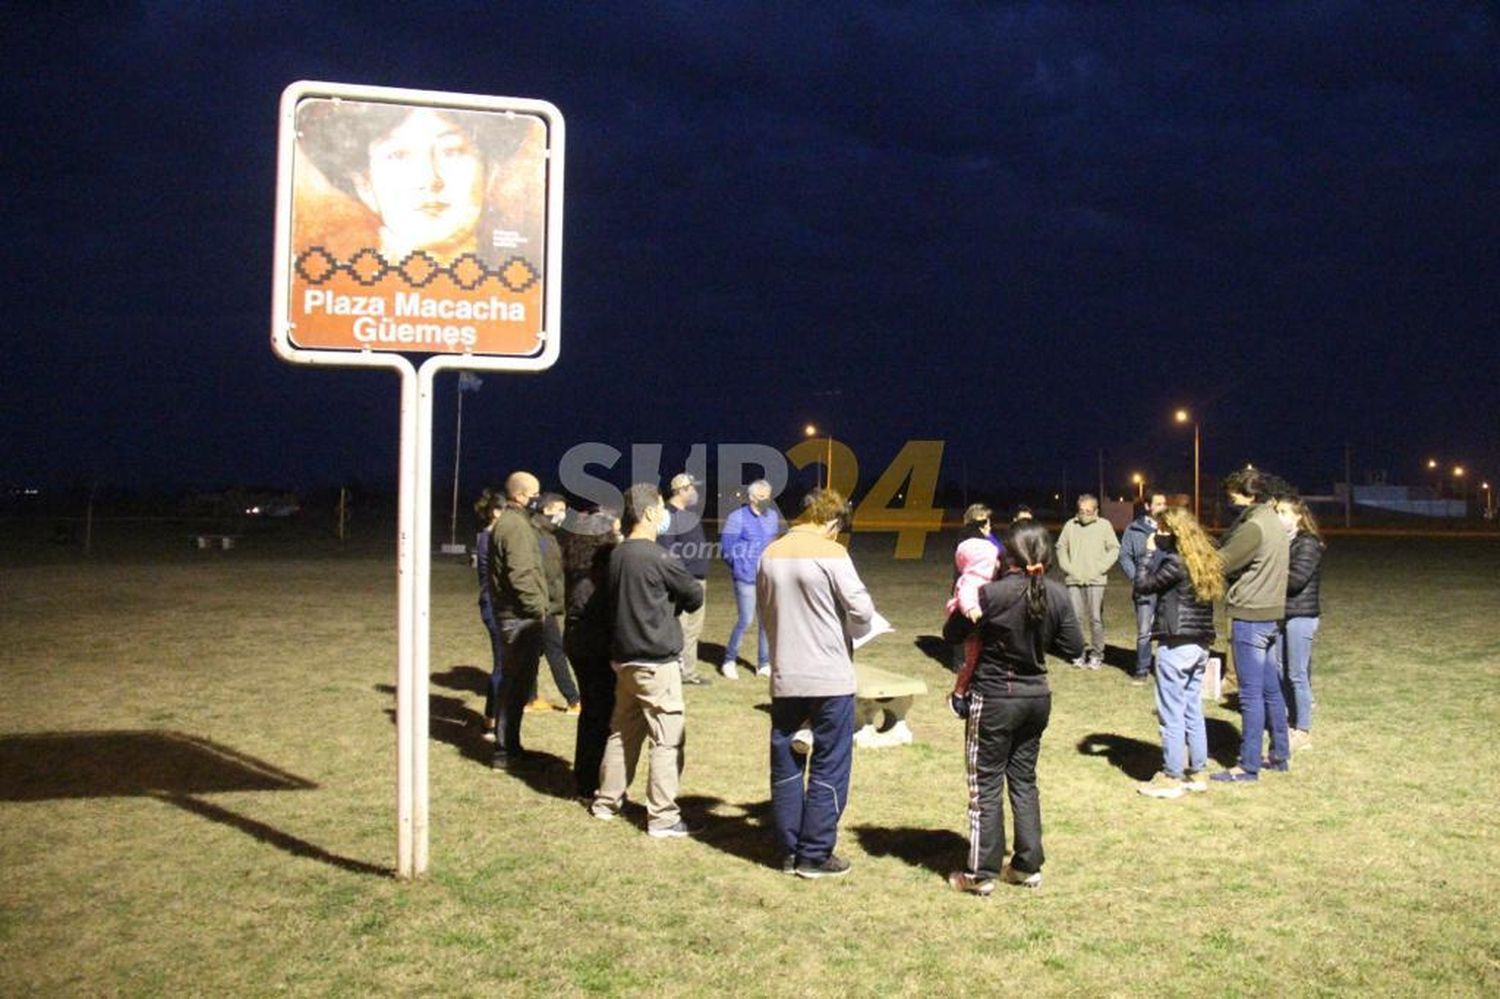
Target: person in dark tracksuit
[
  {"x": 1023, "y": 616},
  {"x": 518, "y": 598}
]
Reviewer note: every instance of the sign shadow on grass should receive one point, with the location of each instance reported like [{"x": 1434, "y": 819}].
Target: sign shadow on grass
[
  {"x": 1140, "y": 760},
  {"x": 171, "y": 767}
]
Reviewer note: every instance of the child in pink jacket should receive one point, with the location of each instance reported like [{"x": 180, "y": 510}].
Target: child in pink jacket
[{"x": 976, "y": 561}]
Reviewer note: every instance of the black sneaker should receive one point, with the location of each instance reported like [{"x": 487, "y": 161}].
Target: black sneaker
[
  {"x": 679, "y": 831},
  {"x": 833, "y": 867},
  {"x": 789, "y": 864}
]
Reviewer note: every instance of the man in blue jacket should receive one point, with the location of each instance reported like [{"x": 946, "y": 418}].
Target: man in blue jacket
[
  {"x": 746, "y": 533},
  {"x": 1132, "y": 552}
]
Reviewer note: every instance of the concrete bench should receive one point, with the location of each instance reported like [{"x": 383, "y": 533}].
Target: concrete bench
[
  {"x": 223, "y": 542},
  {"x": 881, "y": 701}
]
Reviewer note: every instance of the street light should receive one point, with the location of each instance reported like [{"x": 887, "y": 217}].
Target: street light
[
  {"x": 1183, "y": 416},
  {"x": 1463, "y": 487},
  {"x": 1489, "y": 501},
  {"x": 1140, "y": 485},
  {"x": 812, "y": 431}
]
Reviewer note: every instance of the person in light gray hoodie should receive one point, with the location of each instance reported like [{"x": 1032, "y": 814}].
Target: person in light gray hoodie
[
  {"x": 814, "y": 606},
  {"x": 1086, "y": 550}
]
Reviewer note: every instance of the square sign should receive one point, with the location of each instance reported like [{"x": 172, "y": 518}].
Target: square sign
[{"x": 418, "y": 222}]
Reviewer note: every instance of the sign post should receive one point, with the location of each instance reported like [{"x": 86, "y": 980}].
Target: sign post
[{"x": 412, "y": 223}]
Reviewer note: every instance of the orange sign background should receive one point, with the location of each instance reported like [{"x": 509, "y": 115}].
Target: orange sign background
[{"x": 418, "y": 229}]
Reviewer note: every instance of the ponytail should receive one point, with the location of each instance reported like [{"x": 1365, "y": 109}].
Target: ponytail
[{"x": 1028, "y": 549}]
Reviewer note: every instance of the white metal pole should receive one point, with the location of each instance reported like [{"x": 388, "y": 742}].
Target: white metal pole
[
  {"x": 407, "y": 553},
  {"x": 422, "y": 618}
]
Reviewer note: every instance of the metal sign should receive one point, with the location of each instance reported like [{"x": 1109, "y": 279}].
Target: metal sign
[{"x": 418, "y": 222}]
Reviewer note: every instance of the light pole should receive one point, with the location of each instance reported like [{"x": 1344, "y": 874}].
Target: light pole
[
  {"x": 812, "y": 431},
  {"x": 1462, "y": 489},
  {"x": 1437, "y": 478},
  {"x": 1183, "y": 416},
  {"x": 1140, "y": 486},
  {"x": 1489, "y": 501}
]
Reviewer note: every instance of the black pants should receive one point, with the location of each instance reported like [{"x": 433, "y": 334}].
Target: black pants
[
  {"x": 1002, "y": 740},
  {"x": 596, "y": 689},
  {"x": 522, "y": 652}
]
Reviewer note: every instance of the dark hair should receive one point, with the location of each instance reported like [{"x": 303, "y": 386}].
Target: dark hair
[
  {"x": 638, "y": 499},
  {"x": 485, "y": 506},
  {"x": 1029, "y": 544},
  {"x": 336, "y": 135},
  {"x": 1258, "y": 485},
  {"x": 547, "y": 499}
]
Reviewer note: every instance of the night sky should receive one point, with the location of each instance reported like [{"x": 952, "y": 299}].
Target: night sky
[{"x": 1031, "y": 230}]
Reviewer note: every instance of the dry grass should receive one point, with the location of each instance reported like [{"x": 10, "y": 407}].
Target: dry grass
[{"x": 235, "y": 835}]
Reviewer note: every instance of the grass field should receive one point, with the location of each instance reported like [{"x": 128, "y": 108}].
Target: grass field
[{"x": 197, "y": 798}]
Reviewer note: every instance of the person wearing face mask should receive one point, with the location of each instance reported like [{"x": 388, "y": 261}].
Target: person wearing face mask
[
  {"x": 746, "y": 533},
  {"x": 1180, "y": 568},
  {"x": 648, "y": 588},
  {"x": 551, "y": 511},
  {"x": 1086, "y": 550},
  {"x": 1132, "y": 549},
  {"x": 1303, "y": 612},
  {"x": 519, "y": 602},
  {"x": 684, "y": 538},
  {"x": 814, "y": 606}
]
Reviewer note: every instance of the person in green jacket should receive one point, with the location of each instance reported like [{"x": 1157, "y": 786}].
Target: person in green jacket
[
  {"x": 1086, "y": 550},
  {"x": 1255, "y": 563},
  {"x": 519, "y": 601}
]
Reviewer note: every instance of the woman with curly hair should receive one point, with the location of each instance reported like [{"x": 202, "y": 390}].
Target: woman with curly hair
[
  {"x": 1183, "y": 571},
  {"x": 1023, "y": 615},
  {"x": 585, "y": 551}
]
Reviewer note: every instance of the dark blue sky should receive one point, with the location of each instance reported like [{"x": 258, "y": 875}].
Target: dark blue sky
[{"x": 1031, "y": 230}]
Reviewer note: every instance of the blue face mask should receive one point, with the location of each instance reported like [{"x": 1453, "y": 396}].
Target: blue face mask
[{"x": 666, "y": 522}]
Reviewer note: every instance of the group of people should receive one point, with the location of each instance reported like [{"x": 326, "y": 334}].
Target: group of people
[
  {"x": 630, "y": 600},
  {"x": 1006, "y": 614}
]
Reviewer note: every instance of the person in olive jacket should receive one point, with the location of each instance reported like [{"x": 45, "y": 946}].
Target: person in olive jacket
[
  {"x": 1303, "y": 612},
  {"x": 1255, "y": 563},
  {"x": 1086, "y": 550},
  {"x": 519, "y": 602},
  {"x": 1180, "y": 569}
]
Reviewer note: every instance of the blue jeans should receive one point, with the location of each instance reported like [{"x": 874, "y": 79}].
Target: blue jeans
[
  {"x": 1261, "y": 704},
  {"x": 1179, "y": 683},
  {"x": 806, "y": 817},
  {"x": 744, "y": 602},
  {"x": 1145, "y": 615},
  {"x": 497, "y": 643},
  {"x": 1297, "y": 655}
]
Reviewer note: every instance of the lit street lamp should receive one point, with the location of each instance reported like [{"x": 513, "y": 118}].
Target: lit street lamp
[
  {"x": 1183, "y": 416},
  {"x": 1140, "y": 485},
  {"x": 812, "y": 431}
]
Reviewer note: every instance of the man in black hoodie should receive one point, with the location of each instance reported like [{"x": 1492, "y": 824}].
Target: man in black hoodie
[{"x": 647, "y": 588}]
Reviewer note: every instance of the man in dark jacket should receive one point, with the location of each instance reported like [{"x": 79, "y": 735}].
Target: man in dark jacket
[
  {"x": 518, "y": 598},
  {"x": 648, "y": 587},
  {"x": 1132, "y": 552},
  {"x": 685, "y": 539}
]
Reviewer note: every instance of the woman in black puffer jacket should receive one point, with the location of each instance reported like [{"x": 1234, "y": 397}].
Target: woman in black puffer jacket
[
  {"x": 1303, "y": 612},
  {"x": 1183, "y": 569}
]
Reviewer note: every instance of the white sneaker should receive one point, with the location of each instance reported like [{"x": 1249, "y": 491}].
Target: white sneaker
[
  {"x": 730, "y": 671},
  {"x": 1010, "y": 875},
  {"x": 763, "y": 671}
]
